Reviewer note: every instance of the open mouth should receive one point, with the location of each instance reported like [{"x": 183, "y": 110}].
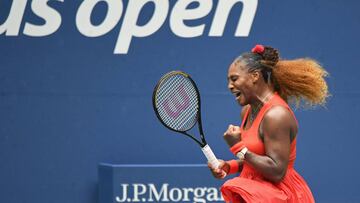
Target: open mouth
[{"x": 237, "y": 94}]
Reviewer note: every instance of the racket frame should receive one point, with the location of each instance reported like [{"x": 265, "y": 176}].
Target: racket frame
[{"x": 203, "y": 142}]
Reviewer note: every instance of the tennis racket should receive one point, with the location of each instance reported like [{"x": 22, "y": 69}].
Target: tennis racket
[{"x": 176, "y": 101}]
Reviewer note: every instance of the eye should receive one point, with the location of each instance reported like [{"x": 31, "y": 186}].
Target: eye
[{"x": 233, "y": 78}]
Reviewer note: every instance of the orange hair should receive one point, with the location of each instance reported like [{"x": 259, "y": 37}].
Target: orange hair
[
  {"x": 297, "y": 81},
  {"x": 301, "y": 80}
]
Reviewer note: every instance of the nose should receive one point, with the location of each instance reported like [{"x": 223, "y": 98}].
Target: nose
[{"x": 230, "y": 86}]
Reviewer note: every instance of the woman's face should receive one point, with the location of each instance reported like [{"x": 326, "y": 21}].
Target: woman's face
[{"x": 240, "y": 82}]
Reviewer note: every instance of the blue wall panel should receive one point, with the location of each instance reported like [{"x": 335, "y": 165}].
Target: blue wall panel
[{"x": 67, "y": 102}]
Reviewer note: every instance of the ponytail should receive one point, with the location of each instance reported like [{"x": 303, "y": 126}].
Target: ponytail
[
  {"x": 296, "y": 81},
  {"x": 301, "y": 80}
]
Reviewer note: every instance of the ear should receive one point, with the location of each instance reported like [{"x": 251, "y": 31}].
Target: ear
[{"x": 255, "y": 75}]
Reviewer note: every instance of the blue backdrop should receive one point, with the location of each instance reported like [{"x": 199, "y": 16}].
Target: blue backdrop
[{"x": 70, "y": 100}]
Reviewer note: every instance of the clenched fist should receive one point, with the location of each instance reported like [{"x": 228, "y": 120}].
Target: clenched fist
[
  {"x": 221, "y": 171},
  {"x": 232, "y": 135}
]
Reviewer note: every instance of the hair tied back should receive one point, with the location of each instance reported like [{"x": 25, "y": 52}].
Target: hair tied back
[{"x": 258, "y": 49}]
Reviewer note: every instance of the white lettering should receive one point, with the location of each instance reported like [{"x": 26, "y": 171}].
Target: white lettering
[
  {"x": 199, "y": 193},
  {"x": 83, "y": 17},
  {"x": 212, "y": 194},
  {"x": 175, "y": 195},
  {"x": 12, "y": 24},
  {"x": 51, "y": 16},
  {"x": 125, "y": 188},
  {"x": 186, "y": 193},
  {"x": 139, "y": 189},
  {"x": 245, "y": 22},
  {"x": 149, "y": 193},
  {"x": 130, "y": 28},
  {"x": 158, "y": 197},
  {"x": 181, "y": 13}
]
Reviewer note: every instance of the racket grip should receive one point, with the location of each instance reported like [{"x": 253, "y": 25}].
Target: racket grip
[{"x": 210, "y": 156}]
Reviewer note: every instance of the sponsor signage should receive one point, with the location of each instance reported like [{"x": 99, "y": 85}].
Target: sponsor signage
[
  {"x": 157, "y": 183},
  {"x": 178, "y": 16}
]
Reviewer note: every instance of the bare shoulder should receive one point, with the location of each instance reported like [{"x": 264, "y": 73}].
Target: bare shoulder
[
  {"x": 279, "y": 118},
  {"x": 243, "y": 111},
  {"x": 278, "y": 114}
]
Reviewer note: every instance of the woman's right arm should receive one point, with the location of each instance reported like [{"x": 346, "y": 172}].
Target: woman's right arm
[
  {"x": 226, "y": 165},
  {"x": 229, "y": 167}
]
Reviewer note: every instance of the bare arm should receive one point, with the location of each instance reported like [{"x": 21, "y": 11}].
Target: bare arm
[
  {"x": 277, "y": 127},
  {"x": 224, "y": 166}
]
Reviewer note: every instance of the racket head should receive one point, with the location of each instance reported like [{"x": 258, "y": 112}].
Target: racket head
[{"x": 176, "y": 101}]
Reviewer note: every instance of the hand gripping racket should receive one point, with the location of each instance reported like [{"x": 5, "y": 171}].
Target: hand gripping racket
[{"x": 176, "y": 101}]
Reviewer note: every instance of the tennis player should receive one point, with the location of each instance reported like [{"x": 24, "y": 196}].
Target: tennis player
[{"x": 265, "y": 143}]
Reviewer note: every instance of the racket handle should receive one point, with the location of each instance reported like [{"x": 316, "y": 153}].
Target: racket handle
[{"x": 210, "y": 156}]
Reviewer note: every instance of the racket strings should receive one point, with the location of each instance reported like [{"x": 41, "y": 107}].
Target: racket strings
[
  {"x": 186, "y": 119},
  {"x": 177, "y": 102}
]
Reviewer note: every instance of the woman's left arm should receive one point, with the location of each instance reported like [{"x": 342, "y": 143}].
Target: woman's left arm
[{"x": 277, "y": 127}]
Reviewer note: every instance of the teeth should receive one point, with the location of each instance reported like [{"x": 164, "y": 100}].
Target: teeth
[{"x": 236, "y": 94}]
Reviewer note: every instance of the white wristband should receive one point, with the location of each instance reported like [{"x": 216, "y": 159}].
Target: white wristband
[
  {"x": 244, "y": 150},
  {"x": 241, "y": 154}
]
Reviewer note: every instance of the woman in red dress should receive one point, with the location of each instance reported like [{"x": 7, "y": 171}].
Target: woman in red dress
[{"x": 265, "y": 143}]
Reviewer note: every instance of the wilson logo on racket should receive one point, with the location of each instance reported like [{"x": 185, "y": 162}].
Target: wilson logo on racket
[{"x": 177, "y": 102}]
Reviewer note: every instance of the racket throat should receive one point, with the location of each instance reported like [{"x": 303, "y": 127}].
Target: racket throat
[{"x": 197, "y": 141}]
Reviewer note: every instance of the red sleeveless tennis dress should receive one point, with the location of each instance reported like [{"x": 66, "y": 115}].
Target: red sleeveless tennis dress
[{"x": 251, "y": 186}]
